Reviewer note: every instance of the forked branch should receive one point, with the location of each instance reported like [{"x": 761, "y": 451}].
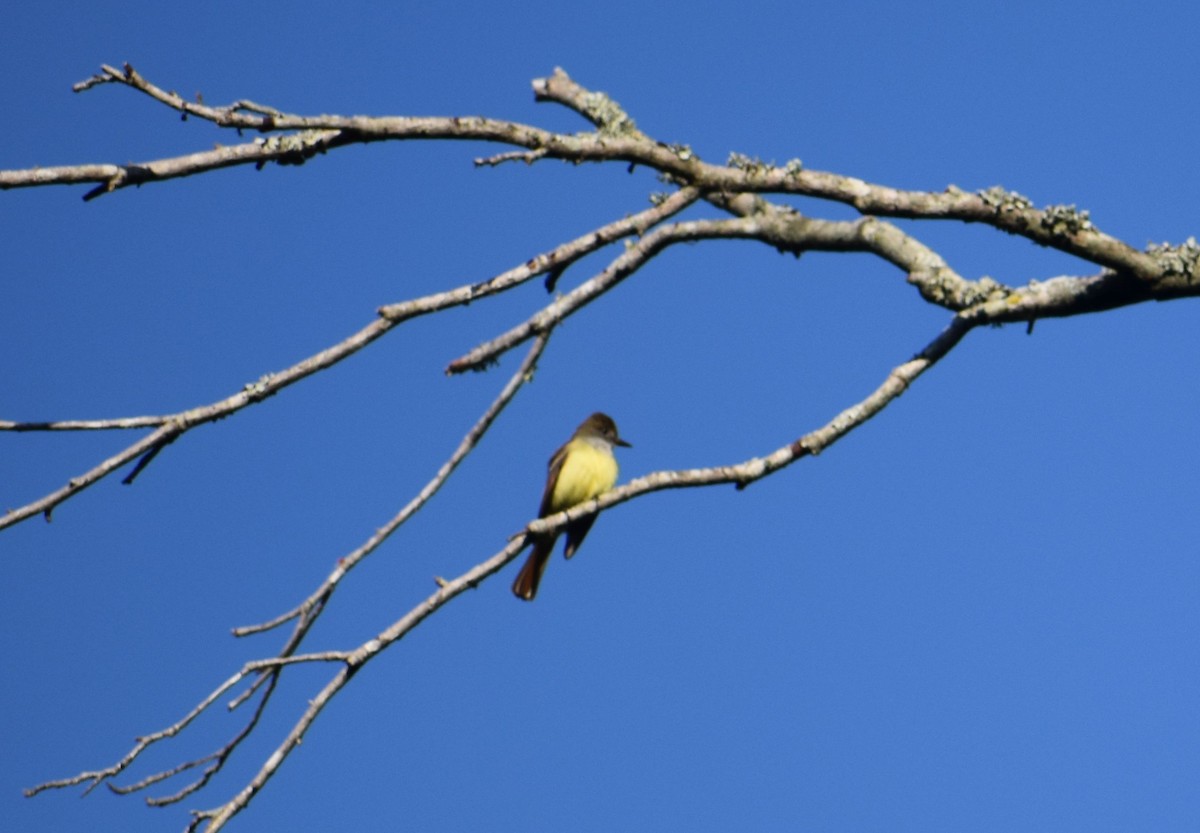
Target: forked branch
[{"x": 740, "y": 190}]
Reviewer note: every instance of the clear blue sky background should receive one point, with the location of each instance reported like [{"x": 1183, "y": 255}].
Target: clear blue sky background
[{"x": 976, "y": 613}]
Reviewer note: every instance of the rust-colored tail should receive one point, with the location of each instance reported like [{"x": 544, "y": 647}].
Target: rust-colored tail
[{"x": 526, "y": 585}]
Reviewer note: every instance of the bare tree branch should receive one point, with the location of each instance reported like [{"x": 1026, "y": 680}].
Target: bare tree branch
[
  {"x": 174, "y": 425},
  {"x": 87, "y": 424},
  {"x": 267, "y": 671},
  {"x": 308, "y": 610},
  {"x": 628, "y": 262},
  {"x": 45, "y": 506},
  {"x": 96, "y": 777},
  {"x": 741, "y": 474},
  {"x": 1119, "y": 275},
  {"x": 1060, "y": 227}
]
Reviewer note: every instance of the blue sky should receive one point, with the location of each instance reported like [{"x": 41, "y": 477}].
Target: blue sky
[{"x": 978, "y": 612}]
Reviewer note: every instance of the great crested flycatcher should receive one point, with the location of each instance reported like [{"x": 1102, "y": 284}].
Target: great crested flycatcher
[{"x": 582, "y": 469}]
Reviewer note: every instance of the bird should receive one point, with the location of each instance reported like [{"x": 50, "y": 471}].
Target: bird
[{"x": 583, "y": 468}]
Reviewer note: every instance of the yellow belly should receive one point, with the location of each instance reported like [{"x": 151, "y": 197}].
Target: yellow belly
[{"x": 587, "y": 472}]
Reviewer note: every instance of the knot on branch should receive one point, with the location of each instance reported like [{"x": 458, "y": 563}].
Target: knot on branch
[
  {"x": 259, "y": 389},
  {"x": 607, "y": 115},
  {"x": 297, "y": 148},
  {"x": 1177, "y": 261},
  {"x": 751, "y": 165},
  {"x": 943, "y": 286},
  {"x": 597, "y": 107},
  {"x": 1065, "y": 220},
  {"x": 1003, "y": 201},
  {"x": 754, "y": 167}
]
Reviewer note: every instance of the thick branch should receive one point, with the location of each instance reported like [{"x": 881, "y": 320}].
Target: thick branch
[{"x": 617, "y": 139}]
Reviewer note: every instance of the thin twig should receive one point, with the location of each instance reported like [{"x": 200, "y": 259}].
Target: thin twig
[
  {"x": 146, "y": 459},
  {"x": 267, "y": 671},
  {"x": 172, "y": 426},
  {"x": 558, "y": 258},
  {"x": 624, "y": 265},
  {"x": 526, "y": 156},
  {"x": 45, "y": 506},
  {"x": 253, "y": 667},
  {"x": 310, "y": 608},
  {"x": 87, "y": 424}
]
